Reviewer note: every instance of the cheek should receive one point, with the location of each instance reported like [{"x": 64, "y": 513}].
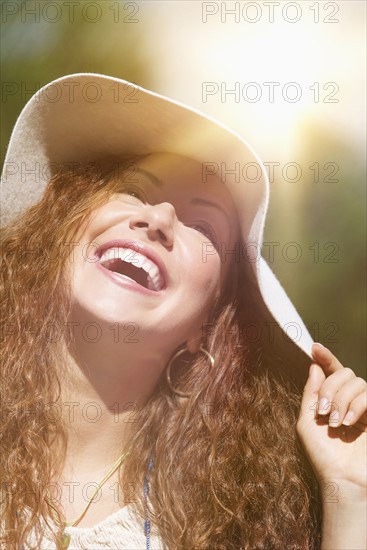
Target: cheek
[
  {"x": 204, "y": 274},
  {"x": 103, "y": 218}
]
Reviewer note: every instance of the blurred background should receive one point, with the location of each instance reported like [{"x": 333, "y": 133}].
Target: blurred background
[{"x": 288, "y": 76}]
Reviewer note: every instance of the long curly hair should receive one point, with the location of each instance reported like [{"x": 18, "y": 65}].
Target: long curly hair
[{"x": 229, "y": 471}]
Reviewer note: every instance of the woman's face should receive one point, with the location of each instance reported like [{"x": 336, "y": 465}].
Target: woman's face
[{"x": 165, "y": 221}]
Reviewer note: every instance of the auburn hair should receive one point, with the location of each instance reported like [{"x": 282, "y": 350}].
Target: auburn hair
[{"x": 229, "y": 471}]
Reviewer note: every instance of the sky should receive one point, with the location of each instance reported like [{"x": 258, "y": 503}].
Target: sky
[{"x": 287, "y": 69}]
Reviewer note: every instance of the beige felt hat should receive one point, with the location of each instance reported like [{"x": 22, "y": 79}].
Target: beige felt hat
[{"x": 81, "y": 117}]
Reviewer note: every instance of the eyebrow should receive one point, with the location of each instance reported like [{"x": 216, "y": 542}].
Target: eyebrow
[
  {"x": 159, "y": 183},
  {"x": 152, "y": 177},
  {"x": 205, "y": 202}
]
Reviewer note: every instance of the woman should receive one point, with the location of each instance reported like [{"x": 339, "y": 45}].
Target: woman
[{"x": 156, "y": 382}]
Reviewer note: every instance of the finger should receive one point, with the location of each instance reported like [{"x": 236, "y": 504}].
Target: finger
[
  {"x": 343, "y": 399},
  {"x": 325, "y": 358},
  {"x": 357, "y": 410},
  {"x": 314, "y": 382},
  {"x": 333, "y": 385}
]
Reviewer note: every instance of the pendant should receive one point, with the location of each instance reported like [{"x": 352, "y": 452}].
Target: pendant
[{"x": 65, "y": 540}]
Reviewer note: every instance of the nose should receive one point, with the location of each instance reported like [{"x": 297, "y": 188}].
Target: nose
[{"x": 158, "y": 221}]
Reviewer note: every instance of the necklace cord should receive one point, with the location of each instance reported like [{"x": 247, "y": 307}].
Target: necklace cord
[
  {"x": 66, "y": 536},
  {"x": 102, "y": 482}
]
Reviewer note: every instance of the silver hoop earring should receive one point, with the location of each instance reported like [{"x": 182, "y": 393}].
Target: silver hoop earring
[{"x": 168, "y": 370}]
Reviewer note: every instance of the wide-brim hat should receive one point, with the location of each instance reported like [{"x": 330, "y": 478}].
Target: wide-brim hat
[{"x": 85, "y": 116}]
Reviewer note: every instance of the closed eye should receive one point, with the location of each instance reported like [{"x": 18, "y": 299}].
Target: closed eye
[
  {"x": 206, "y": 230},
  {"x": 133, "y": 191}
]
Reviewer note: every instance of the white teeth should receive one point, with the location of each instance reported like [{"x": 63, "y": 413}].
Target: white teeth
[
  {"x": 155, "y": 279},
  {"x": 136, "y": 260},
  {"x": 123, "y": 254},
  {"x": 153, "y": 271}
]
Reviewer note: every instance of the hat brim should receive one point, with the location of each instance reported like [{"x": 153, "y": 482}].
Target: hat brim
[{"x": 85, "y": 116}]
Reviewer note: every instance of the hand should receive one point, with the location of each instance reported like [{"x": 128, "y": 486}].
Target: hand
[{"x": 335, "y": 445}]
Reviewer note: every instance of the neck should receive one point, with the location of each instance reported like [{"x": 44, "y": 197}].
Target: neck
[{"x": 105, "y": 388}]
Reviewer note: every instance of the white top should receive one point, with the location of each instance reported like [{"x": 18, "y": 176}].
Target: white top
[{"x": 122, "y": 530}]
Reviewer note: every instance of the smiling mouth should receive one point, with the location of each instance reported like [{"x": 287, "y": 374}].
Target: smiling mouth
[{"x": 134, "y": 266}]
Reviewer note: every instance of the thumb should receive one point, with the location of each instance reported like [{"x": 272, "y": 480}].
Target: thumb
[{"x": 309, "y": 405}]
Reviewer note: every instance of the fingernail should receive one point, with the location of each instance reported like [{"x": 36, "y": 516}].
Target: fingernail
[
  {"x": 334, "y": 418},
  {"x": 318, "y": 344},
  {"x": 323, "y": 405},
  {"x": 349, "y": 418}
]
